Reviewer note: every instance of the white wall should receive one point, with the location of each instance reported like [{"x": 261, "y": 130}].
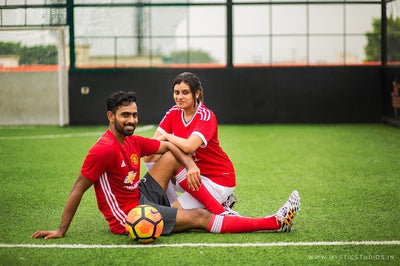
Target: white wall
[{"x": 29, "y": 98}]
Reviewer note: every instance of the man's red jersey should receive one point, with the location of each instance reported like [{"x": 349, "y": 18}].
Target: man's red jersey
[
  {"x": 115, "y": 171},
  {"x": 212, "y": 161}
]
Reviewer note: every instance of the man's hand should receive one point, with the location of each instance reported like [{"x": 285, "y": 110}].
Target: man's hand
[{"x": 48, "y": 234}]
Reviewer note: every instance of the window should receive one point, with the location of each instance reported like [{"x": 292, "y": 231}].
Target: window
[
  {"x": 150, "y": 36},
  {"x": 182, "y": 33}
]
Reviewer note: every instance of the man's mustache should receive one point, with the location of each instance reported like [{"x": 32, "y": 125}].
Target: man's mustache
[{"x": 130, "y": 124}]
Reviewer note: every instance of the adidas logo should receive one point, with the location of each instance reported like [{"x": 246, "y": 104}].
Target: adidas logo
[{"x": 123, "y": 163}]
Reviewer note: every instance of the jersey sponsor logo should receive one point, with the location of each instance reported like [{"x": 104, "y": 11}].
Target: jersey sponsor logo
[
  {"x": 134, "y": 159},
  {"x": 132, "y": 187},
  {"x": 131, "y": 176}
]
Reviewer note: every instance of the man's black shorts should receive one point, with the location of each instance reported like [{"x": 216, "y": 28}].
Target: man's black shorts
[{"x": 151, "y": 193}]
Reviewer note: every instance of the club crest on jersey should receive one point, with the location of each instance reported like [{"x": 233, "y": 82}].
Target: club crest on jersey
[
  {"x": 134, "y": 159},
  {"x": 131, "y": 176}
]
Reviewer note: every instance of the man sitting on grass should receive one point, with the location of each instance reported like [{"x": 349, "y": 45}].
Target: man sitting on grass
[{"x": 113, "y": 166}]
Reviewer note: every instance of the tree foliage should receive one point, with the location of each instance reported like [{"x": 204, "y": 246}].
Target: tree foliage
[
  {"x": 373, "y": 47},
  {"x": 33, "y": 55},
  {"x": 193, "y": 56}
]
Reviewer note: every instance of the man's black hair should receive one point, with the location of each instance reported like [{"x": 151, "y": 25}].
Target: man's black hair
[{"x": 120, "y": 98}]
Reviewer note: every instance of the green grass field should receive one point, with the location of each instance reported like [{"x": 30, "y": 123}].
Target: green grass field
[{"x": 347, "y": 176}]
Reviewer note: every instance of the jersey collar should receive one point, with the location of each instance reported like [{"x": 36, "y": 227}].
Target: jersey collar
[{"x": 191, "y": 119}]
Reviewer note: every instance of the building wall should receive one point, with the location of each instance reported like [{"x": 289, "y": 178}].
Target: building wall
[
  {"x": 241, "y": 95},
  {"x": 29, "y": 98},
  {"x": 9, "y": 60},
  {"x": 391, "y": 76},
  {"x": 237, "y": 96}
]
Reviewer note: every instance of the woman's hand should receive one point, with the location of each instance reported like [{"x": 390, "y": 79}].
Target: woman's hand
[{"x": 193, "y": 177}]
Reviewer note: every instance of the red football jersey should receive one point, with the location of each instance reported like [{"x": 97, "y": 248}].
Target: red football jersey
[
  {"x": 212, "y": 161},
  {"x": 115, "y": 171}
]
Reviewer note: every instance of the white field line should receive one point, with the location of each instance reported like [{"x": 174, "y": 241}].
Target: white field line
[
  {"x": 56, "y": 136},
  {"x": 274, "y": 244}
]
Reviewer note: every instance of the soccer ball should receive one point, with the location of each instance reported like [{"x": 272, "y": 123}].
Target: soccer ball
[{"x": 144, "y": 223}]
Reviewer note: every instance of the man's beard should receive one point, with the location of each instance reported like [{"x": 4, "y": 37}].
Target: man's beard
[{"x": 123, "y": 131}]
